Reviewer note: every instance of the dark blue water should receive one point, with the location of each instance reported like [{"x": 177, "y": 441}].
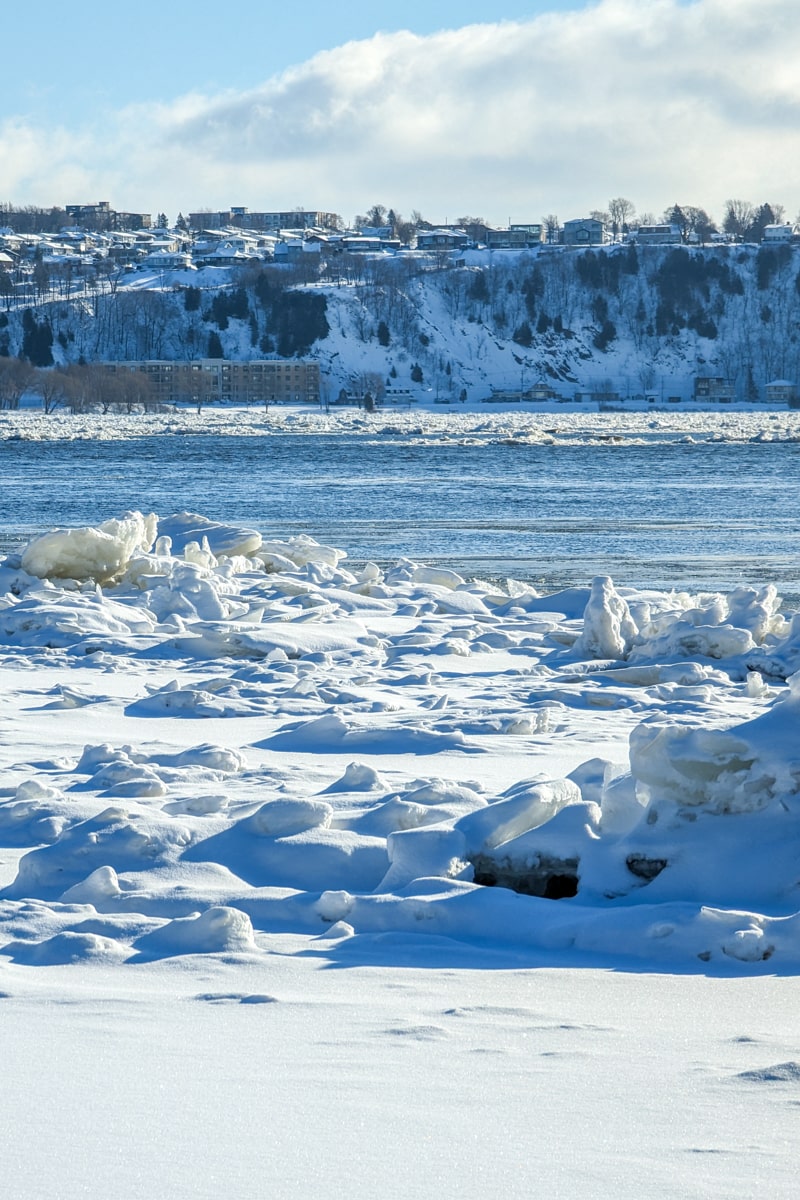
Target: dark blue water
[{"x": 690, "y": 516}]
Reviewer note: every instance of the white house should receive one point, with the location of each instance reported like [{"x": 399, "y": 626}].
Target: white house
[{"x": 778, "y": 233}]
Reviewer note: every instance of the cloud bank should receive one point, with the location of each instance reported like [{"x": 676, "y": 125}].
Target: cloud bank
[{"x": 652, "y": 99}]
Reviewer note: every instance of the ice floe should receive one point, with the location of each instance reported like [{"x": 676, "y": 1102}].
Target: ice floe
[{"x": 602, "y": 772}]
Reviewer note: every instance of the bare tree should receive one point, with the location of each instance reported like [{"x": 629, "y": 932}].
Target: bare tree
[
  {"x": 552, "y": 228},
  {"x": 621, "y": 213},
  {"x": 739, "y": 216},
  {"x": 51, "y": 386},
  {"x": 16, "y": 377},
  {"x": 700, "y": 223}
]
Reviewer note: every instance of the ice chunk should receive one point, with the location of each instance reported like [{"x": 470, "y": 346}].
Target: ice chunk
[
  {"x": 184, "y": 528},
  {"x": 526, "y": 806},
  {"x": 608, "y": 627},
  {"x": 98, "y": 553},
  {"x": 435, "y": 850}
]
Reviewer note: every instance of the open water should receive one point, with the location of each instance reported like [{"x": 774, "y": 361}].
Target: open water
[{"x": 702, "y": 517}]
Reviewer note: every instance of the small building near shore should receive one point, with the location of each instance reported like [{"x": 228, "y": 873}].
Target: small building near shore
[{"x": 781, "y": 391}]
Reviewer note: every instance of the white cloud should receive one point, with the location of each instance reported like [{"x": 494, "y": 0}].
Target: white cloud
[{"x": 652, "y": 99}]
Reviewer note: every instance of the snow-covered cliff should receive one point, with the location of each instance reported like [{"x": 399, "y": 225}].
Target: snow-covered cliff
[{"x": 616, "y": 319}]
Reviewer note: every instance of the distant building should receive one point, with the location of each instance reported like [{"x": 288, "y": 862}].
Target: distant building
[
  {"x": 656, "y": 235},
  {"x": 102, "y": 216},
  {"x": 365, "y": 244},
  {"x": 516, "y": 237},
  {"x": 714, "y": 388},
  {"x": 205, "y": 380},
  {"x": 781, "y": 391},
  {"x": 778, "y": 233},
  {"x": 442, "y": 239},
  {"x": 540, "y": 391},
  {"x": 584, "y": 231},
  {"x": 263, "y": 222}
]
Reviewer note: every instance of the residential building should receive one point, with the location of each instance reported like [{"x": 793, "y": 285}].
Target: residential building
[
  {"x": 778, "y": 233},
  {"x": 541, "y": 391},
  {"x": 204, "y": 380},
  {"x": 656, "y": 235},
  {"x": 584, "y": 231},
  {"x": 441, "y": 239},
  {"x": 714, "y": 388},
  {"x": 781, "y": 391},
  {"x": 103, "y": 216},
  {"x": 516, "y": 237},
  {"x": 263, "y": 222}
]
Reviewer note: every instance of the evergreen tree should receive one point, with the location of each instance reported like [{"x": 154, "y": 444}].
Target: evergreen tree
[{"x": 523, "y": 335}]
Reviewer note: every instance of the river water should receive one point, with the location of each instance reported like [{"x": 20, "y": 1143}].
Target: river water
[{"x": 696, "y": 516}]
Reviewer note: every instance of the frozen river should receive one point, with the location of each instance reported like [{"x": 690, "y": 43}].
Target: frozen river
[{"x": 693, "y": 515}]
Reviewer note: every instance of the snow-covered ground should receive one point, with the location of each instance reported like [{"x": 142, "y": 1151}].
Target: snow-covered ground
[{"x": 386, "y": 883}]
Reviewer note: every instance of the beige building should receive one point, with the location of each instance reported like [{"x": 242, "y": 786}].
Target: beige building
[{"x": 205, "y": 380}]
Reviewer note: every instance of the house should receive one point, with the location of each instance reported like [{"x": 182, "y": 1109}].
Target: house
[
  {"x": 168, "y": 260},
  {"x": 516, "y": 237},
  {"x": 540, "y": 391},
  {"x": 781, "y": 391},
  {"x": 777, "y": 233},
  {"x": 363, "y": 244},
  {"x": 584, "y": 231},
  {"x": 442, "y": 239},
  {"x": 714, "y": 388},
  {"x": 534, "y": 231},
  {"x": 656, "y": 235}
]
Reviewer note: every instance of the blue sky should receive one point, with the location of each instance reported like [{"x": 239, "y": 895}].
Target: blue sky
[{"x": 547, "y": 107}]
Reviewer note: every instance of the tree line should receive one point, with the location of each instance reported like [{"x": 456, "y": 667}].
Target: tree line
[{"x": 84, "y": 387}]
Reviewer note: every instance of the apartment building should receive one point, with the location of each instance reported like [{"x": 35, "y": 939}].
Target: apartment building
[{"x": 206, "y": 380}]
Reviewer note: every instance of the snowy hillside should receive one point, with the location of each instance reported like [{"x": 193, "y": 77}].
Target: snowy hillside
[{"x": 617, "y": 319}]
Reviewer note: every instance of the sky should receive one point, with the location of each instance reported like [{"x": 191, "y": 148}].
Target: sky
[{"x": 446, "y": 109}]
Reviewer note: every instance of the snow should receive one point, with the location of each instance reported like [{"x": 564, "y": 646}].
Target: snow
[
  {"x": 337, "y": 883},
  {"x": 470, "y": 424}
]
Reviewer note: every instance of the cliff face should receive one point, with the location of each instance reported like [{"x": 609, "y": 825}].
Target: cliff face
[{"x": 620, "y": 318}]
